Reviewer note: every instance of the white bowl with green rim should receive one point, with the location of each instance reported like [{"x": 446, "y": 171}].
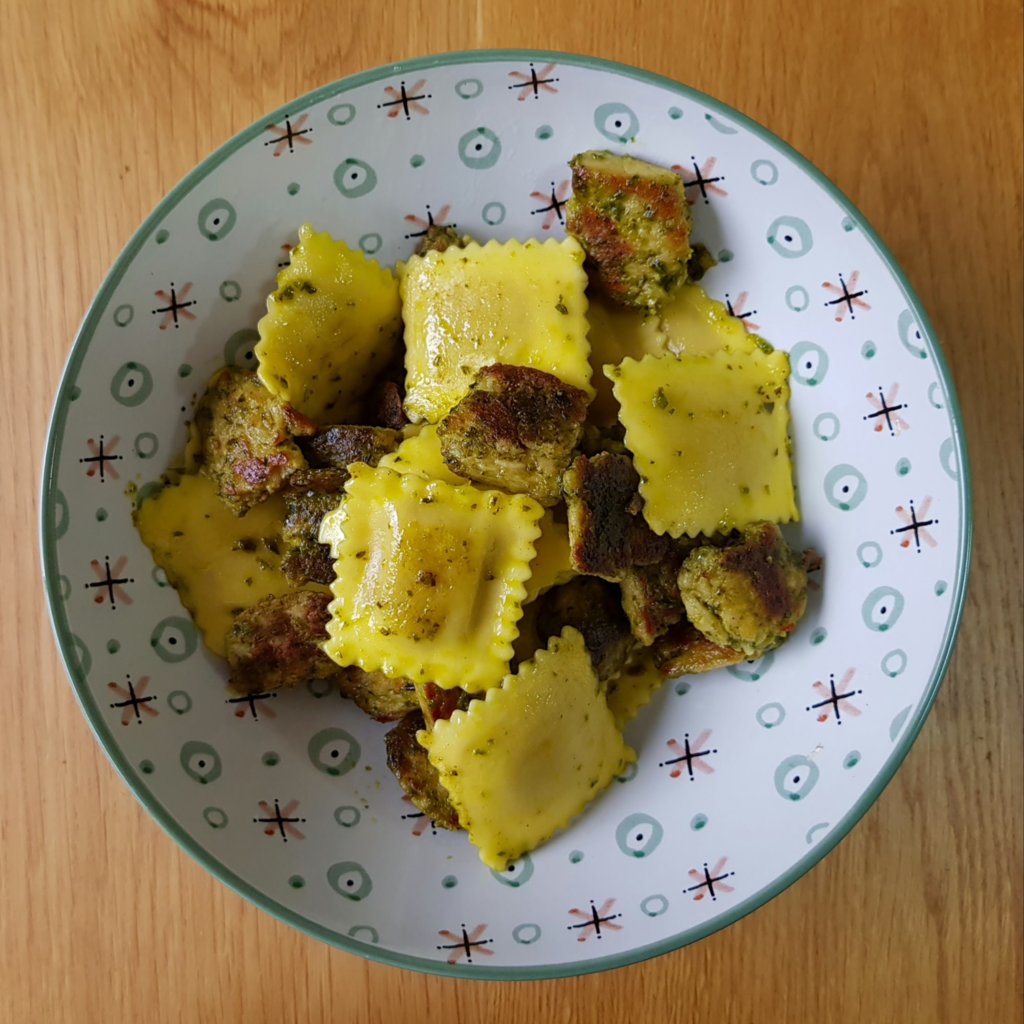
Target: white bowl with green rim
[{"x": 746, "y": 777}]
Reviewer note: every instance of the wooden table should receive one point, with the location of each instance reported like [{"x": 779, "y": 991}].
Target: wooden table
[{"x": 914, "y": 109}]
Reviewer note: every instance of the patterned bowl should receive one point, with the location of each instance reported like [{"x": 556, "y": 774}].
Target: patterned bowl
[{"x": 746, "y": 777}]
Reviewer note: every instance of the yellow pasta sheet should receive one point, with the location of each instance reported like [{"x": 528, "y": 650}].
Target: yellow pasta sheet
[
  {"x": 521, "y": 763},
  {"x": 331, "y": 326},
  {"x": 552, "y": 563},
  {"x": 695, "y": 324},
  {"x": 218, "y": 562},
  {"x": 709, "y": 437},
  {"x": 430, "y": 578},
  {"x": 521, "y": 303},
  {"x": 633, "y": 689},
  {"x": 420, "y": 453}
]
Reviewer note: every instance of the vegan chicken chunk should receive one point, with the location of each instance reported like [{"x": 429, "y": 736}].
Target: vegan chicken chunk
[
  {"x": 277, "y": 641},
  {"x": 594, "y": 607},
  {"x": 380, "y": 696},
  {"x": 651, "y": 599},
  {"x": 245, "y": 439},
  {"x": 748, "y": 595},
  {"x": 309, "y": 496},
  {"x": 633, "y": 220},
  {"x": 683, "y": 650},
  {"x": 418, "y": 777},
  {"x": 516, "y": 429},
  {"x": 608, "y": 534},
  {"x": 337, "y": 447}
]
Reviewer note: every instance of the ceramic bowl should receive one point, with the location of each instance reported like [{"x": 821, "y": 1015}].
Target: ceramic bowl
[{"x": 746, "y": 777}]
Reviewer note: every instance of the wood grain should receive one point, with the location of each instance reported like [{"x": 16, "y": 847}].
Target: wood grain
[{"x": 915, "y": 110}]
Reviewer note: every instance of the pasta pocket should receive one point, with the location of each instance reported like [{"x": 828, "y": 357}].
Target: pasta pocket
[
  {"x": 520, "y": 303},
  {"x": 522, "y": 762},
  {"x": 709, "y": 437},
  {"x": 430, "y": 578}
]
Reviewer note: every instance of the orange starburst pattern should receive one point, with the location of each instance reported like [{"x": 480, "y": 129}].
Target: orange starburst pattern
[
  {"x": 835, "y": 699},
  {"x": 534, "y": 82},
  {"x": 280, "y": 821},
  {"x": 465, "y": 944},
  {"x": 134, "y": 702},
  {"x": 424, "y": 224},
  {"x": 176, "y": 306},
  {"x": 689, "y": 757},
  {"x": 710, "y": 882},
  {"x": 101, "y": 458},
  {"x": 702, "y": 178},
  {"x": 915, "y": 525},
  {"x": 886, "y": 411},
  {"x": 405, "y": 101},
  {"x": 739, "y": 310},
  {"x": 289, "y": 136},
  {"x": 110, "y": 581},
  {"x": 594, "y": 923},
  {"x": 848, "y": 296},
  {"x": 553, "y": 202}
]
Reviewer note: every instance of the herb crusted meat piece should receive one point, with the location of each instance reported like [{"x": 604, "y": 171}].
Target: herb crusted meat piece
[
  {"x": 245, "y": 439},
  {"x": 338, "y": 446},
  {"x": 516, "y": 429},
  {"x": 380, "y": 696},
  {"x": 309, "y": 496},
  {"x": 608, "y": 534},
  {"x": 684, "y": 650},
  {"x": 409, "y": 763},
  {"x": 277, "y": 641},
  {"x": 749, "y": 594},
  {"x": 651, "y": 598},
  {"x": 633, "y": 220}
]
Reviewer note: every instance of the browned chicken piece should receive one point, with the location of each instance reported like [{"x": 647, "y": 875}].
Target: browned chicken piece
[
  {"x": 748, "y": 595},
  {"x": 440, "y": 237},
  {"x": 417, "y": 776},
  {"x": 683, "y": 650},
  {"x": 438, "y": 704},
  {"x": 651, "y": 599},
  {"x": 608, "y": 534},
  {"x": 337, "y": 447},
  {"x": 633, "y": 220},
  {"x": 516, "y": 429},
  {"x": 309, "y": 496},
  {"x": 594, "y": 607},
  {"x": 277, "y": 641},
  {"x": 385, "y": 406},
  {"x": 380, "y": 696},
  {"x": 245, "y": 439}
]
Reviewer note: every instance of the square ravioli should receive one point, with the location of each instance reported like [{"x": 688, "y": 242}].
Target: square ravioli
[
  {"x": 520, "y": 764},
  {"x": 429, "y": 577},
  {"x": 522, "y": 303},
  {"x": 709, "y": 437}
]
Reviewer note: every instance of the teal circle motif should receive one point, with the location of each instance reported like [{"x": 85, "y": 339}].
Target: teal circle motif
[
  {"x": 628, "y": 773},
  {"x": 230, "y": 291},
  {"x": 698, "y": 822},
  {"x": 179, "y": 702},
  {"x": 903, "y": 467},
  {"x": 576, "y": 856},
  {"x": 852, "y": 759},
  {"x": 882, "y": 609},
  {"x": 493, "y": 213},
  {"x": 215, "y": 817},
  {"x": 184, "y": 371},
  {"x": 147, "y": 767},
  {"x": 81, "y": 656},
  {"x": 271, "y": 759},
  {"x": 469, "y": 88},
  {"x": 894, "y": 663},
  {"x": 334, "y": 751},
  {"x": 146, "y": 445},
  {"x": 65, "y": 587},
  {"x": 795, "y": 777},
  {"x": 347, "y": 816},
  {"x": 675, "y": 113},
  {"x": 449, "y": 882},
  {"x": 845, "y": 487},
  {"x": 638, "y": 835},
  {"x": 654, "y": 906},
  {"x": 808, "y": 363},
  {"x": 417, "y": 160},
  {"x": 216, "y": 219},
  {"x": 752, "y": 671},
  {"x": 123, "y": 315},
  {"x": 349, "y": 879},
  {"x": 797, "y": 298},
  {"x": 357, "y": 931},
  {"x": 819, "y": 635},
  {"x": 948, "y": 459},
  {"x": 516, "y": 874},
  {"x": 370, "y": 243},
  {"x": 526, "y": 934},
  {"x": 764, "y": 172},
  {"x": 113, "y": 646},
  {"x": 341, "y": 114},
  {"x": 935, "y": 396},
  {"x": 239, "y": 349},
  {"x": 60, "y": 514},
  {"x": 682, "y": 688},
  {"x": 790, "y": 237},
  {"x": 201, "y": 762},
  {"x": 354, "y": 178},
  {"x": 770, "y": 715},
  {"x": 940, "y": 587},
  {"x": 544, "y": 132},
  {"x": 296, "y": 881},
  {"x": 479, "y": 149},
  {"x": 131, "y": 385},
  {"x": 826, "y": 426},
  {"x": 616, "y": 122},
  {"x": 725, "y": 255},
  {"x": 910, "y": 334},
  {"x": 847, "y": 224},
  {"x": 174, "y": 639},
  {"x": 868, "y": 350},
  {"x": 293, "y": 188},
  {"x": 161, "y": 236},
  {"x": 869, "y": 554}
]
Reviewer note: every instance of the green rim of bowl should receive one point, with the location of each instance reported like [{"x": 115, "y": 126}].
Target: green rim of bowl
[{"x": 168, "y": 822}]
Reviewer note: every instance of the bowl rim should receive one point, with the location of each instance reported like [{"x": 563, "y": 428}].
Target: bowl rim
[{"x": 167, "y": 821}]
